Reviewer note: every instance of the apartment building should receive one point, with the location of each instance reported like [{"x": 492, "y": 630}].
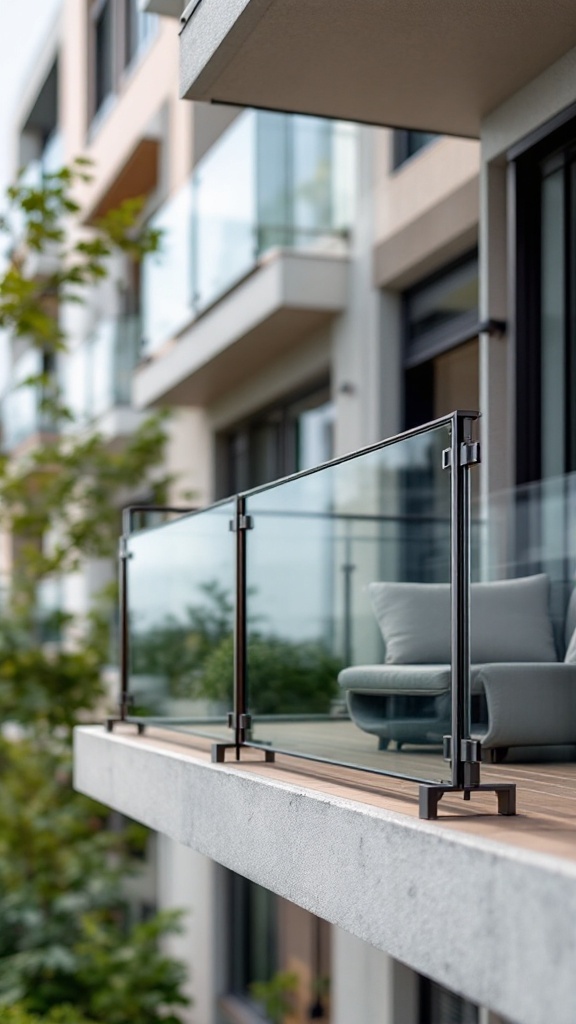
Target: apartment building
[{"x": 327, "y": 281}]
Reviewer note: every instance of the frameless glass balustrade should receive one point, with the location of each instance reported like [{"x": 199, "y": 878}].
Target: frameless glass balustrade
[
  {"x": 181, "y": 599},
  {"x": 348, "y": 576}
]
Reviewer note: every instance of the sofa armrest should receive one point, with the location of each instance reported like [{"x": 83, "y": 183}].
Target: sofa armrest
[{"x": 529, "y": 703}]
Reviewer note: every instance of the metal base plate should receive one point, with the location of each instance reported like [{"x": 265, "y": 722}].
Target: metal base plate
[
  {"x": 430, "y": 796},
  {"x": 218, "y": 753}
]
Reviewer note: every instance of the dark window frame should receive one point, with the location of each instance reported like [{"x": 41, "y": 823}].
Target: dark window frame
[
  {"x": 428, "y": 989},
  {"x": 121, "y": 56},
  {"x": 279, "y": 415},
  {"x": 407, "y": 143},
  {"x": 528, "y": 176},
  {"x": 240, "y": 893},
  {"x": 445, "y": 336}
]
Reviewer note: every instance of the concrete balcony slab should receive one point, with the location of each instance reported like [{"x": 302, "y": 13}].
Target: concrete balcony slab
[
  {"x": 485, "y": 905},
  {"x": 434, "y": 65},
  {"x": 288, "y": 296}
]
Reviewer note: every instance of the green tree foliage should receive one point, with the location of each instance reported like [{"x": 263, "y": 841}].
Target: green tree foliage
[
  {"x": 195, "y": 658},
  {"x": 285, "y": 676},
  {"x": 69, "y": 951},
  {"x": 176, "y": 653}
]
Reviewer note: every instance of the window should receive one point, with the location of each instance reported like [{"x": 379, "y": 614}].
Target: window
[
  {"x": 406, "y": 143},
  {"x": 546, "y": 306},
  {"x": 119, "y": 33},
  {"x": 103, "y": 54},
  {"x": 39, "y": 143},
  {"x": 441, "y": 344},
  {"x": 271, "y": 940},
  {"x": 253, "y": 953},
  {"x": 438, "y": 1005},
  {"x": 278, "y": 441},
  {"x": 139, "y": 29}
]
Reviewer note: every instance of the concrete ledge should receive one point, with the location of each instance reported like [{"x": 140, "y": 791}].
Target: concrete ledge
[{"x": 495, "y": 923}]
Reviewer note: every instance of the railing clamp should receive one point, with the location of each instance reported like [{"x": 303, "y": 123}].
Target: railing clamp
[
  {"x": 241, "y": 522},
  {"x": 470, "y": 751},
  {"x": 123, "y": 552},
  {"x": 469, "y": 453},
  {"x": 447, "y": 748},
  {"x": 244, "y": 721}
]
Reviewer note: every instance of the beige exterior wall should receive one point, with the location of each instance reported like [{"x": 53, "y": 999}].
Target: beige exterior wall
[{"x": 425, "y": 179}]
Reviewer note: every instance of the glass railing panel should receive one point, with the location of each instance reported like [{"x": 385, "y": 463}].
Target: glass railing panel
[
  {"x": 23, "y": 414},
  {"x": 224, "y": 219},
  {"x": 348, "y": 602},
  {"x": 74, "y": 377},
  {"x": 181, "y": 592},
  {"x": 113, "y": 355},
  {"x": 19, "y": 416},
  {"x": 306, "y": 181},
  {"x": 167, "y": 304}
]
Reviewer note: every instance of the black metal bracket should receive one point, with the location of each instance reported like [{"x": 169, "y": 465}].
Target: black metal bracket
[
  {"x": 242, "y": 522},
  {"x": 242, "y": 721},
  {"x": 218, "y": 753},
  {"x": 121, "y": 719},
  {"x": 429, "y": 797},
  {"x": 469, "y": 455},
  {"x": 492, "y": 326}
]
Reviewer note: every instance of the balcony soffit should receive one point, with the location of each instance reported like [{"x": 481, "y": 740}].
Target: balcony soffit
[
  {"x": 275, "y": 308},
  {"x": 138, "y": 176},
  {"x": 435, "y": 65}
]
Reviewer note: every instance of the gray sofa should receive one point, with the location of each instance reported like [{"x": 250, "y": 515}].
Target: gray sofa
[{"x": 522, "y": 693}]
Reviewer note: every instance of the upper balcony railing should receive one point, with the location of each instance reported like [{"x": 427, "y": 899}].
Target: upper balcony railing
[
  {"x": 97, "y": 375},
  {"x": 271, "y": 180},
  {"x": 324, "y": 616},
  {"x": 23, "y": 411}
]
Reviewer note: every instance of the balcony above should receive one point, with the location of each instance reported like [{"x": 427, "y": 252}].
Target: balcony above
[
  {"x": 436, "y": 66},
  {"x": 283, "y": 300},
  {"x": 97, "y": 376}
]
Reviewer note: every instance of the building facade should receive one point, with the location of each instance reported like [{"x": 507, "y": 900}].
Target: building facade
[{"x": 326, "y": 281}]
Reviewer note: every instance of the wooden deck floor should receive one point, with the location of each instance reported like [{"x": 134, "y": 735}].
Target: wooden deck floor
[{"x": 546, "y": 791}]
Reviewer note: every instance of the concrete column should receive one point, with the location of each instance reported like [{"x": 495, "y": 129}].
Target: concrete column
[
  {"x": 186, "y": 880},
  {"x": 369, "y": 986},
  {"x": 356, "y": 354}
]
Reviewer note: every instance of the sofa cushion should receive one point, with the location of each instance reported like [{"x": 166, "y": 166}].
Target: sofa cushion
[
  {"x": 509, "y": 621},
  {"x": 394, "y": 679}
]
